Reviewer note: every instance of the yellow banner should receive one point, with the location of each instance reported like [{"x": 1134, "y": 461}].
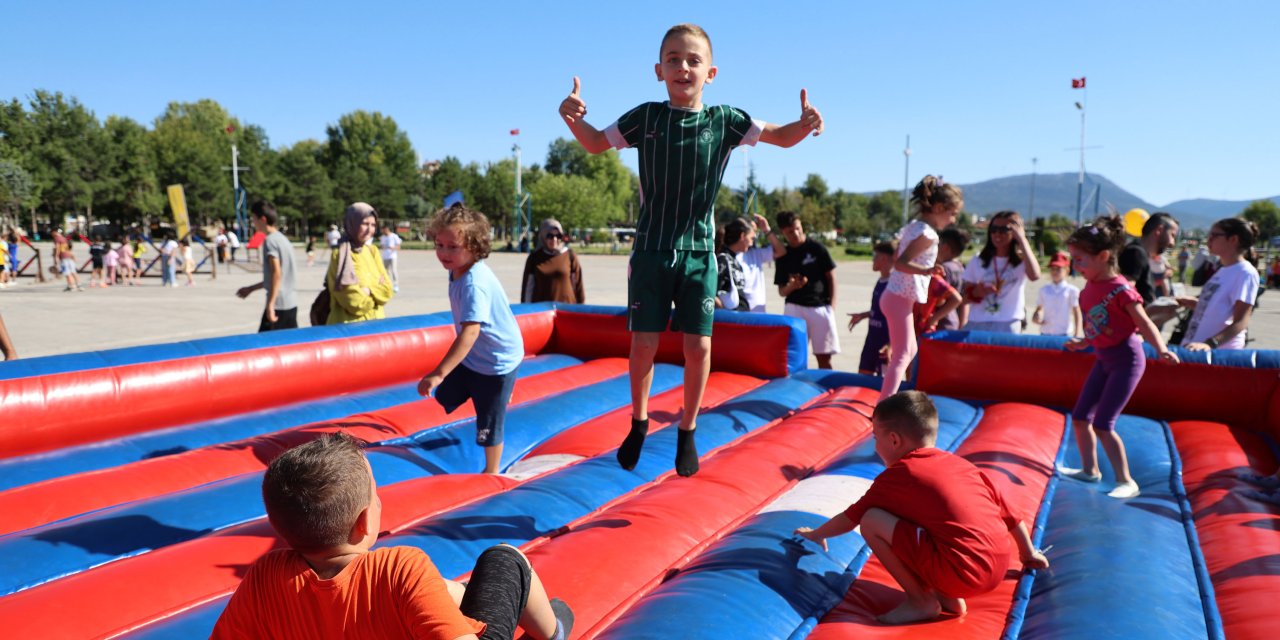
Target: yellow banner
[{"x": 178, "y": 202}]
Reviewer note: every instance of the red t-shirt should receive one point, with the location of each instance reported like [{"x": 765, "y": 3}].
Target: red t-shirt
[
  {"x": 954, "y": 501},
  {"x": 939, "y": 290},
  {"x": 393, "y": 592},
  {"x": 1105, "y": 307}
]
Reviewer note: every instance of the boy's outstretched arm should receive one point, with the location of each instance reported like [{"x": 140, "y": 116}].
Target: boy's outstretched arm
[
  {"x": 839, "y": 525},
  {"x": 1032, "y": 558},
  {"x": 457, "y": 351},
  {"x": 574, "y": 110},
  {"x": 788, "y": 135}
]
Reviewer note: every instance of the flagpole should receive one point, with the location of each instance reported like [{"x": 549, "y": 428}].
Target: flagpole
[
  {"x": 906, "y": 179},
  {"x": 1080, "y": 183}
]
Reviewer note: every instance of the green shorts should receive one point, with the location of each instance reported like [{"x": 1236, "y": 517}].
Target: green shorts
[{"x": 658, "y": 279}]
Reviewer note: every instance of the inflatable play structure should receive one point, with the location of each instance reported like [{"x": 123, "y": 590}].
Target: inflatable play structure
[{"x": 130, "y": 504}]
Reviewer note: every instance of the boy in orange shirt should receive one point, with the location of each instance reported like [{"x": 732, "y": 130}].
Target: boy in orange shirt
[
  {"x": 934, "y": 520},
  {"x": 321, "y": 498}
]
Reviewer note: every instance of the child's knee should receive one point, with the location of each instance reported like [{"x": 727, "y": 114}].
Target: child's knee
[
  {"x": 696, "y": 347},
  {"x": 879, "y": 523}
]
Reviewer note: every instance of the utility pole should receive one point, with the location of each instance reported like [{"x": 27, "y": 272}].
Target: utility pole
[
  {"x": 906, "y": 180},
  {"x": 239, "y": 196},
  {"x": 1031, "y": 210}
]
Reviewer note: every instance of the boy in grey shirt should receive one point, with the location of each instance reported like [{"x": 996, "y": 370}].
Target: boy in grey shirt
[{"x": 277, "y": 273}]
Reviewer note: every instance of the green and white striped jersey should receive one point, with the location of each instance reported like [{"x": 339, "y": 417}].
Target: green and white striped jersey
[{"x": 683, "y": 155}]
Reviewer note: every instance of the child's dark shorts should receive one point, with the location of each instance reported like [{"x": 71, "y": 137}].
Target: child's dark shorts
[
  {"x": 498, "y": 591},
  {"x": 489, "y": 394},
  {"x": 658, "y": 279}
]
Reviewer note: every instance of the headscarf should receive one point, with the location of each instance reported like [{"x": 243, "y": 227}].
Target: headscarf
[
  {"x": 547, "y": 225},
  {"x": 351, "y": 221}
]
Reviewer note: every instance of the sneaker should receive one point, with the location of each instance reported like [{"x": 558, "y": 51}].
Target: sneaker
[
  {"x": 1124, "y": 490},
  {"x": 1079, "y": 474}
]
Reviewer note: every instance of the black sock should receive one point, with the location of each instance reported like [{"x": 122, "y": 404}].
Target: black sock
[
  {"x": 629, "y": 452},
  {"x": 686, "y": 454},
  {"x": 564, "y": 618}
]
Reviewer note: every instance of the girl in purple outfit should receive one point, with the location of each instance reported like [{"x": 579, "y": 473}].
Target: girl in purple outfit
[{"x": 1113, "y": 318}]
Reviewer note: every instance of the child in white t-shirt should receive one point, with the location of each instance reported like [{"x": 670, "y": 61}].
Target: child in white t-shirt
[
  {"x": 1058, "y": 303},
  {"x": 1222, "y": 311}
]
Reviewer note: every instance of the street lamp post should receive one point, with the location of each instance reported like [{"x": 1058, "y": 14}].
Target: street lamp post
[{"x": 906, "y": 179}]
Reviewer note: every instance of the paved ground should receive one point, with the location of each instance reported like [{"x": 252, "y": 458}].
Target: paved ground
[{"x": 44, "y": 320}]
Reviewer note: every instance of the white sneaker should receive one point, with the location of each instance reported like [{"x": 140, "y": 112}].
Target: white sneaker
[
  {"x": 1079, "y": 474},
  {"x": 1124, "y": 490}
]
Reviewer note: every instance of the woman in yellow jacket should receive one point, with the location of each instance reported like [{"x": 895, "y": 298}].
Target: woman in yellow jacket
[{"x": 359, "y": 286}]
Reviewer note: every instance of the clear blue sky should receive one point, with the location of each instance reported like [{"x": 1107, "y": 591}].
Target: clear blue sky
[{"x": 1183, "y": 97}]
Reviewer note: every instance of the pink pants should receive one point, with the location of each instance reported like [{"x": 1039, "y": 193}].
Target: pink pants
[{"x": 902, "y": 340}]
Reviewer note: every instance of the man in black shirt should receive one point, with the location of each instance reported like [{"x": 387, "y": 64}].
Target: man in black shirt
[
  {"x": 1159, "y": 234},
  {"x": 806, "y": 277}
]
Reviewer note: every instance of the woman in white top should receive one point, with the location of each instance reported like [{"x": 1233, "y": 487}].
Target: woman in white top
[
  {"x": 1225, "y": 305},
  {"x": 995, "y": 280},
  {"x": 936, "y": 206}
]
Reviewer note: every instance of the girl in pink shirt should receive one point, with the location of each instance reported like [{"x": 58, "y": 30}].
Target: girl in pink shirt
[{"x": 1113, "y": 317}]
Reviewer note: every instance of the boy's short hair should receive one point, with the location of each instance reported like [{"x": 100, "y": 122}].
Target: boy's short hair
[
  {"x": 686, "y": 28},
  {"x": 886, "y": 247},
  {"x": 264, "y": 209},
  {"x": 956, "y": 238},
  {"x": 314, "y": 492},
  {"x": 910, "y": 414},
  {"x": 472, "y": 225},
  {"x": 785, "y": 219}
]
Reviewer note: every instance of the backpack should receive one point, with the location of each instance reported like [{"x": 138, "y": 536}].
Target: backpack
[{"x": 320, "y": 307}]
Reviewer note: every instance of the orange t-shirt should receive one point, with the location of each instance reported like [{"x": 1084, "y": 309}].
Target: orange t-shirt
[{"x": 393, "y": 592}]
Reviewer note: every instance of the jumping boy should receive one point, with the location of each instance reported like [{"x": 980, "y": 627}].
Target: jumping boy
[
  {"x": 684, "y": 147},
  {"x": 934, "y": 520},
  {"x": 322, "y": 500},
  {"x": 481, "y": 363}
]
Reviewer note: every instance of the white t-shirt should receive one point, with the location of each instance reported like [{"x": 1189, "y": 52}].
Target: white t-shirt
[
  {"x": 910, "y": 285},
  {"x": 753, "y": 261},
  {"x": 390, "y": 246},
  {"x": 1008, "y": 303},
  {"x": 169, "y": 248},
  {"x": 1058, "y": 299},
  {"x": 235, "y": 241},
  {"x": 1218, "y": 298}
]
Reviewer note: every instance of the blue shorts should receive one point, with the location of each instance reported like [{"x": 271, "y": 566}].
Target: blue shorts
[{"x": 489, "y": 394}]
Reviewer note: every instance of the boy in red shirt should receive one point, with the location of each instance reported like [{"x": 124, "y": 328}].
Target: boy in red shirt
[
  {"x": 321, "y": 498},
  {"x": 936, "y": 523}
]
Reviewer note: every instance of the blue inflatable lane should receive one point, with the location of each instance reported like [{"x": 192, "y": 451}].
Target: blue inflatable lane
[{"x": 1149, "y": 587}]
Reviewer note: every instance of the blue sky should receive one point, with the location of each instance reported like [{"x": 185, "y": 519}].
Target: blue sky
[{"x": 1183, "y": 97}]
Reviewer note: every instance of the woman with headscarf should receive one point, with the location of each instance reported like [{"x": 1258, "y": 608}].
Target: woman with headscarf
[
  {"x": 359, "y": 286},
  {"x": 552, "y": 273}
]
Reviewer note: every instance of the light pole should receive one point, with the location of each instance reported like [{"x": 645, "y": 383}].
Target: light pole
[
  {"x": 1080, "y": 182},
  {"x": 1031, "y": 210},
  {"x": 906, "y": 179}
]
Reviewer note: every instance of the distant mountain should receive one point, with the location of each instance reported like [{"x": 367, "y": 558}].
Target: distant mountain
[{"x": 1056, "y": 193}]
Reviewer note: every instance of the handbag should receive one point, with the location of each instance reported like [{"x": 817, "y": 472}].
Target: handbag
[{"x": 320, "y": 307}]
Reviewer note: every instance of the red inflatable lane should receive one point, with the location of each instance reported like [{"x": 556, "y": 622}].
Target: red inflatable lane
[
  {"x": 1017, "y": 445},
  {"x": 660, "y": 527},
  {"x": 614, "y": 427},
  {"x": 1240, "y": 537},
  {"x": 49, "y": 412},
  {"x": 1165, "y": 392},
  {"x": 748, "y": 349},
  {"x": 36, "y": 504},
  {"x": 106, "y": 601}
]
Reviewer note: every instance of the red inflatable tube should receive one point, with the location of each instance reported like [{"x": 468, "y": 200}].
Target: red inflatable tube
[
  {"x": 36, "y": 504},
  {"x": 1238, "y": 535},
  {"x": 661, "y": 526},
  {"x": 1167, "y": 391},
  {"x": 747, "y": 349},
  {"x": 105, "y": 598},
  {"x": 1018, "y": 443},
  {"x": 201, "y": 570}
]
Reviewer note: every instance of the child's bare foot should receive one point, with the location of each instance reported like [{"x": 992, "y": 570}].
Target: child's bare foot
[
  {"x": 953, "y": 606},
  {"x": 912, "y": 611}
]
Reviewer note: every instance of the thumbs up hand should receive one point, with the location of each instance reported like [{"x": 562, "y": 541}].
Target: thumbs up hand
[
  {"x": 809, "y": 115},
  {"x": 573, "y": 108}
]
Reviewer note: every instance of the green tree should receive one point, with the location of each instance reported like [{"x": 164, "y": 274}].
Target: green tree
[
  {"x": 605, "y": 170},
  {"x": 304, "y": 192},
  {"x": 130, "y": 190},
  {"x": 571, "y": 199},
  {"x": 192, "y": 143},
  {"x": 371, "y": 160},
  {"x": 1265, "y": 214},
  {"x": 64, "y": 146},
  {"x": 17, "y": 190},
  {"x": 884, "y": 212}
]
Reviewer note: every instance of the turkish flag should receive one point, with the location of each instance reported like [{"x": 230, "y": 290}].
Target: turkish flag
[
  {"x": 1077, "y": 84},
  {"x": 230, "y": 128},
  {"x": 515, "y": 132}
]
